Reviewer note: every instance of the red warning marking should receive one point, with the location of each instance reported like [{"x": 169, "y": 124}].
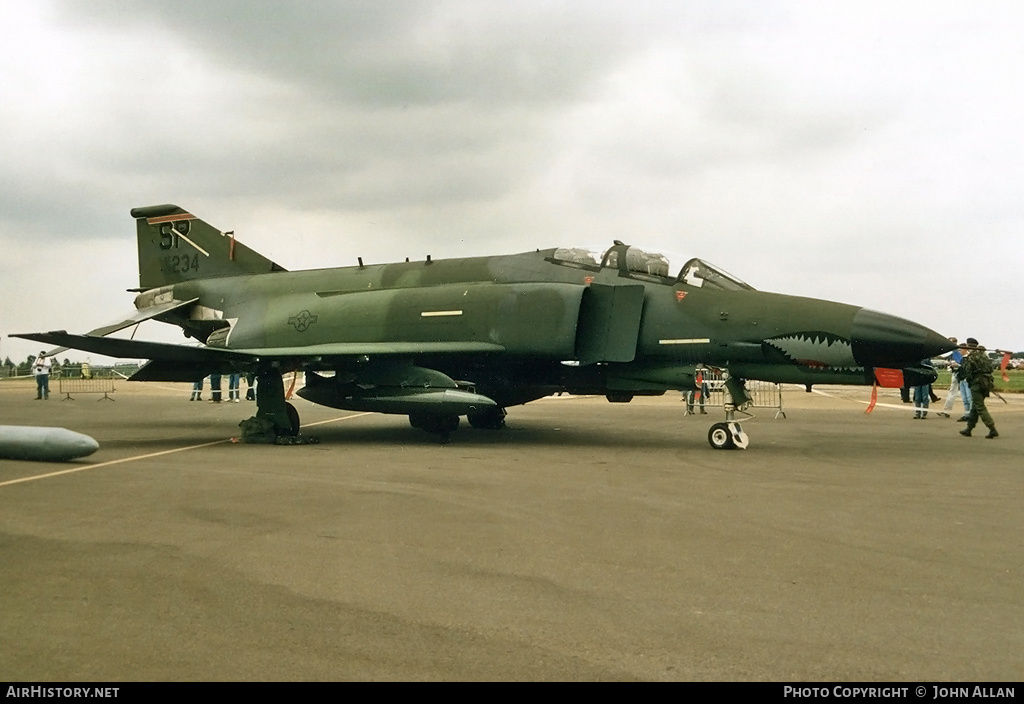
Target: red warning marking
[{"x": 889, "y": 378}]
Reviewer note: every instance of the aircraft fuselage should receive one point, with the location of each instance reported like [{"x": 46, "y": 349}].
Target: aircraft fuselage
[{"x": 507, "y": 323}]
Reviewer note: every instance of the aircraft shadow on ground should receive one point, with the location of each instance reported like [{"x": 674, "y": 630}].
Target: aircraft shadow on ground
[{"x": 522, "y": 434}]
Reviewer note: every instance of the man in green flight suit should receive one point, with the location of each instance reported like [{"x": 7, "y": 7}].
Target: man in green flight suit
[{"x": 976, "y": 369}]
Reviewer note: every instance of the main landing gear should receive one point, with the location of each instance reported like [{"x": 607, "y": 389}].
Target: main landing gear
[
  {"x": 443, "y": 425},
  {"x": 488, "y": 419},
  {"x": 276, "y": 421}
]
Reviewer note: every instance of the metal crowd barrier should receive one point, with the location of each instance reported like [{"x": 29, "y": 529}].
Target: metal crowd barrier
[
  {"x": 96, "y": 385},
  {"x": 763, "y": 394}
]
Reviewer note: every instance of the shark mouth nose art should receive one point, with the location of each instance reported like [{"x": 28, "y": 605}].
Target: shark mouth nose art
[{"x": 817, "y": 350}]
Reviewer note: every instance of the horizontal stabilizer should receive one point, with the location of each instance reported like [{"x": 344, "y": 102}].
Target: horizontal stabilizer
[
  {"x": 139, "y": 316},
  {"x": 135, "y": 318},
  {"x": 137, "y": 349}
]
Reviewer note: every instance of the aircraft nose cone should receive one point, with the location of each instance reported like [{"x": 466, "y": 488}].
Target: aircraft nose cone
[{"x": 882, "y": 340}]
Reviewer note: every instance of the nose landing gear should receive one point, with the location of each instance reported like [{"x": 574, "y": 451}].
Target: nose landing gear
[{"x": 729, "y": 435}]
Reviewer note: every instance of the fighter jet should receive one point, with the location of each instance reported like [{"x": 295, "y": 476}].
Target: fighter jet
[{"x": 439, "y": 339}]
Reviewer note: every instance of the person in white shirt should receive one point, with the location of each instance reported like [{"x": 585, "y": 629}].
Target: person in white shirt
[{"x": 41, "y": 369}]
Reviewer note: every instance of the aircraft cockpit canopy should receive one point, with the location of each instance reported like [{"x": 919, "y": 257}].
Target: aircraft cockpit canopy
[
  {"x": 575, "y": 255},
  {"x": 636, "y": 263},
  {"x": 634, "y": 260},
  {"x": 637, "y": 260},
  {"x": 698, "y": 272}
]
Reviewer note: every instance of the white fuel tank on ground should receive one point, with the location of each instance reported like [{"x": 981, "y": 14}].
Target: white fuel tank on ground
[{"x": 22, "y": 442}]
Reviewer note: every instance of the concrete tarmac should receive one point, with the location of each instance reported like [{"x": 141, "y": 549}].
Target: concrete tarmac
[{"x": 586, "y": 541}]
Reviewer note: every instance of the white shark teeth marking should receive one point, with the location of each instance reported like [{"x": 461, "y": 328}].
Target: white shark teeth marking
[{"x": 817, "y": 350}]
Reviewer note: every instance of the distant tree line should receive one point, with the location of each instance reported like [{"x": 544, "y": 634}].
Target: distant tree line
[{"x": 65, "y": 368}]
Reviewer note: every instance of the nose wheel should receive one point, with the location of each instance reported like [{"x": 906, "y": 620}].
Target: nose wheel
[{"x": 728, "y": 436}]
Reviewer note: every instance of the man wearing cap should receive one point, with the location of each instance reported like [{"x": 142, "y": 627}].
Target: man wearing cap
[{"x": 975, "y": 368}]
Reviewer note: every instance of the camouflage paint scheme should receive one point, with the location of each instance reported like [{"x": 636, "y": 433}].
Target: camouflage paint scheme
[{"x": 437, "y": 339}]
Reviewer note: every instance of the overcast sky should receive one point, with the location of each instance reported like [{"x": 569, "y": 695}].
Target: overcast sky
[{"x": 865, "y": 152}]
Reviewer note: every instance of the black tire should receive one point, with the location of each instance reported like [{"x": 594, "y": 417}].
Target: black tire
[
  {"x": 438, "y": 425},
  {"x": 447, "y": 424},
  {"x": 293, "y": 420},
  {"x": 720, "y": 438},
  {"x": 489, "y": 419}
]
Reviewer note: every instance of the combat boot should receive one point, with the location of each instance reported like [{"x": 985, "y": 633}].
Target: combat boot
[
  {"x": 992, "y": 433},
  {"x": 966, "y": 432}
]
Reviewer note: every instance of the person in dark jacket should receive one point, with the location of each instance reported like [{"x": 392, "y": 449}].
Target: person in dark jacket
[{"x": 977, "y": 370}]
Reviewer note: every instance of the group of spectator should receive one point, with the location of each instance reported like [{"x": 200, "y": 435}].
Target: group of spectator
[
  {"x": 234, "y": 382},
  {"x": 971, "y": 379}
]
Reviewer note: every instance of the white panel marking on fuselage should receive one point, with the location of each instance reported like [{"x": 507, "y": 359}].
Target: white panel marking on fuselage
[
  {"x": 440, "y": 313},
  {"x": 686, "y": 341}
]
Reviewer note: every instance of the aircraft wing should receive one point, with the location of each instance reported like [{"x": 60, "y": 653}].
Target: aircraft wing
[
  {"x": 139, "y": 349},
  {"x": 173, "y": 370},
  {"x": 183, "y": 363},
  {"x": 352, "y": 349}
]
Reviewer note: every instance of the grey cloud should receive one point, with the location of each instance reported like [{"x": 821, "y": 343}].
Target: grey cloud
[
  {"x": 345, "y": 105},
  {"x": 387, "y": 53}
]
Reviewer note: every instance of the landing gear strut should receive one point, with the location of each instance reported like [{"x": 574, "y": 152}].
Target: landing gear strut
[
  {"x": 276, "y": 421},
  {"x": 729, "y": 435},
  {"x": 271, "y": 406}
]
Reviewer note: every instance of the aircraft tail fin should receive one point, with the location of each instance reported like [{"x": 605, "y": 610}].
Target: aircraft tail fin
[{"x": 176, "y": 246}]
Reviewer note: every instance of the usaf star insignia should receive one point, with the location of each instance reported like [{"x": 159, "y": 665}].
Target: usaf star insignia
[{"x": 302, "y": 320}]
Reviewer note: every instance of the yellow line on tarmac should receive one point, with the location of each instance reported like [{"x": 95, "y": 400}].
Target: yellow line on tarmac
[
  {"x": 332, "y": 420},
  {"x": 879, "y": 404},
  {"x": 83, "y": 468},
  {"x": 893, "y": 406}
]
